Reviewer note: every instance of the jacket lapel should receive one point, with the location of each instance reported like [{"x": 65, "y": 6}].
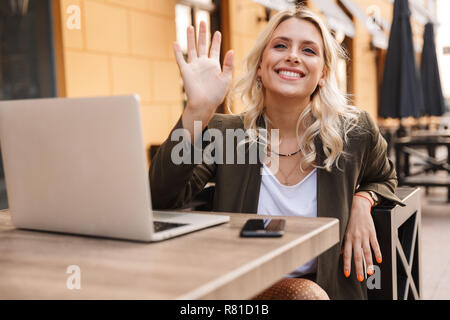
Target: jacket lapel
[
  {"x": 322, "y": 177},
  {"x": 253, "y": 177},
  {"x": 331, "y": 192}
]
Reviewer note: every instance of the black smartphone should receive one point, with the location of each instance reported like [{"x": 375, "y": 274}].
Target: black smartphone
[{"x": 263, "y": 228}]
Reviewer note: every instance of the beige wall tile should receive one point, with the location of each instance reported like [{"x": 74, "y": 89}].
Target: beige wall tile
[
  {"x": 152, "y": 36},
  {"x": 106, "y": 28},
  {"x": 167, "y": 85},
  {"x": 72, "y": 35},
  {"x": 164, "y": 7},
  {"x": 245, "y": 18},
  {"x": 137, "y": 4},
  {"x": 131, "y": 75},
  {"x": 176, "y": 111},
  {"x": 86, "y": 74},
  {"x": 159, "y": 7},
  {"x": 155, "y": 119},
  {"x": 365, "y": 72},
  {"x": 115, "y": 51},
  {"x": 125, "y": 46}
]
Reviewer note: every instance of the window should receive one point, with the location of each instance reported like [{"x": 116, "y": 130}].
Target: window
[
  {"x": 26, "y": 50},
  {"x": 191, "y": 12},
  {"x": 26, "y": 56}
]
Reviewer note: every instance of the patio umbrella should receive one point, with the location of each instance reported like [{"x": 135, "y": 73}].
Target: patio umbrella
[
  {"x": 429, "y": 71},
  {"x": 401, "y": 93}
]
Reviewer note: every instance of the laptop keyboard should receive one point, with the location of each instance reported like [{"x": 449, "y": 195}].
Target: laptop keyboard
[{"x": 162, "y": 226}]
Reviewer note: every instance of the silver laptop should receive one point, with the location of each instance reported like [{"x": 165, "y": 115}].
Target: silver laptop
[{"x": 79, "y": 166}]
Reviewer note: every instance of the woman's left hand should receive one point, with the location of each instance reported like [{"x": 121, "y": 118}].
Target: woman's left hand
[{"x": 360, "y": 236}]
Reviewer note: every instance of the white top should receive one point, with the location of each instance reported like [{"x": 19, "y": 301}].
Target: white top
[{"x": 277, "y": 199}]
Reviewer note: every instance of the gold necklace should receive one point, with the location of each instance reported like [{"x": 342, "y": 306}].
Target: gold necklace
[
  {"x": 286, "y": 177},
  {"x": 283, "y": 154},
  {"x": 287, "y": 155}
]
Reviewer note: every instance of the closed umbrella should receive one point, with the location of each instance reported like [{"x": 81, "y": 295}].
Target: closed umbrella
[
  {"x": 429, "y": 72},
  {"x": 401, "y": 93}
]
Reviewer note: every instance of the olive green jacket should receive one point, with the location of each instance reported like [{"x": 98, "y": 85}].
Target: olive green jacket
[{"x": 366, "y": 167}]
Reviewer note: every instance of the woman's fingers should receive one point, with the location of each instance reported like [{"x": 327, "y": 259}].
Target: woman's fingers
[
  {"x": 228, "y": 64},
  {"x": 357, "y": 255},
  {"x": 361, "y": 250},
  {"x": 202, "y": 49},
  {"x": 205, "y": 82},
  {"x": 347, "y": 257},
  {"x": 368, "y": 257},
  {"x": 179, "y": 56},
  {"x": 376, "y": 247},
  {"x": 214, "y": 52},
  {"x": 192, "y": 51}
]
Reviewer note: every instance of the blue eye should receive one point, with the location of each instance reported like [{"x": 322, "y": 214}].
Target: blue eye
[
  {"x": 309, "y": 50},
  {"x": 279, "y": 46}
]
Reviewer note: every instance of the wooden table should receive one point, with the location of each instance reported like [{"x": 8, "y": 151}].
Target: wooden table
[
  {"x": 210, "y": 264},
  {"x": 432, "y": 133},
  {"x": 405, "y": 147}
]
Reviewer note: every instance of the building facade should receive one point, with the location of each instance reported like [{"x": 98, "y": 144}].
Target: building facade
[{"x": 112, "y": 47}]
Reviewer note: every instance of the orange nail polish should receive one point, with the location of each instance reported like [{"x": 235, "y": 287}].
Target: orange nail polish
[
  {"x": 346, "y": 273},
  {"x": 360, "y": 278},
  {"x": 379, "y": 260},
  {"x": 370, "y": 272}
]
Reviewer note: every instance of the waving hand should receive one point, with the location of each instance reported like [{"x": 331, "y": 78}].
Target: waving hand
[{"x": 205, "y": 82}]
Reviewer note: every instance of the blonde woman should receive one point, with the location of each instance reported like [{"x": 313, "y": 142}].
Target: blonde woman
[{"x": 329, "y": 161}]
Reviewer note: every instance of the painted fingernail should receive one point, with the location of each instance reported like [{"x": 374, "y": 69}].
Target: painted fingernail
[
  {"x": 370, "y": 272},
  {"x": 379, "y": 260},
  {"x": 360, "y": 278},
  {"x": 346, "y": 273}
]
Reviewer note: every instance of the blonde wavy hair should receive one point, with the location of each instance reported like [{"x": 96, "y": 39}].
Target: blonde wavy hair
[{"x": 328, "y": 114}]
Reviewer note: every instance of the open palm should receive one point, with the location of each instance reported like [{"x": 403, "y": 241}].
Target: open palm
[{"x": 205, "y": 83}]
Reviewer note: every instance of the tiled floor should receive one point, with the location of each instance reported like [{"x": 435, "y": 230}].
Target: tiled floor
[{"x": 435, "y": 245}]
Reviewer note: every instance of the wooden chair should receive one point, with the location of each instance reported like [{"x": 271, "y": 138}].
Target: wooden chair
[{"x": 398, "y": 232}]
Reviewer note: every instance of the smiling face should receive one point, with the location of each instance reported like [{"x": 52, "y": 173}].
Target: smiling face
[{"x": 292, "y": 63}]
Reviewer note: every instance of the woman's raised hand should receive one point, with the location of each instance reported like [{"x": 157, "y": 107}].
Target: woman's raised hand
[{"x": 205, "y": 83}]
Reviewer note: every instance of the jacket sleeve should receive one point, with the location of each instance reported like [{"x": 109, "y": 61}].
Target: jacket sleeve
[
  {"x": 173, "y": 185},
  {"x": 378, "y": 173}
]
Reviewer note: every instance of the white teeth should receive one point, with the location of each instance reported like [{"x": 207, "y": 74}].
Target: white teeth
[{"x": 290, "y": 74}]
